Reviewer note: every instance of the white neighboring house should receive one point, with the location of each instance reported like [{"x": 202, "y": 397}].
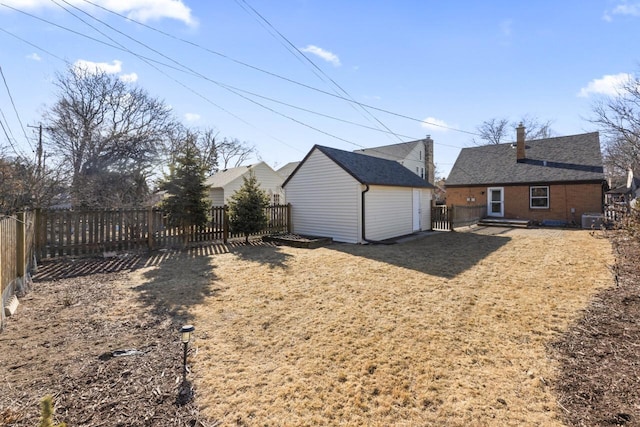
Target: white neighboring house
[
  {"x": 355, "y": 198},
  {"x": 417, "y": 156},
  {"x": 223, "y": 184},
  {"x": 286, "y": 170}
]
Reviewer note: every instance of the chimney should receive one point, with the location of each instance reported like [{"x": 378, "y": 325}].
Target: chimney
[
  {"x": 430, "y": 166},
  {"x": 520, "y": 154}
]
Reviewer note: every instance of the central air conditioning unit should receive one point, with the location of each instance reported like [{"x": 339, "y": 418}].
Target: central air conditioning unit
[{"x": 592, "y": 220}]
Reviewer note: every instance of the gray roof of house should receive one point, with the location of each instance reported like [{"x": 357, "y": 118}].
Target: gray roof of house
[
  {"x": 369, "y": 170},
  {"x": 225, "y": 176},
  {"x": 391, "y": 152},
  {"x": 286, "y": 170},
  {"x": 550, "y": 160}
]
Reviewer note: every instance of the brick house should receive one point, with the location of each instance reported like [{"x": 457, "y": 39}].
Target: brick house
[{"x": 551, "y": 180}]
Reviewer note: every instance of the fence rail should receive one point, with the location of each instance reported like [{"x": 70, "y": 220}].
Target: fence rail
[
  {"x": 89, "y": 232},
  {"x": 446, "y": 218},
  {"x": 467, "y": 215}
]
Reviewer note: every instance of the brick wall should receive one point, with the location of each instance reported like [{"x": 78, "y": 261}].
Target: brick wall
[{"x": 563, "y": 198}]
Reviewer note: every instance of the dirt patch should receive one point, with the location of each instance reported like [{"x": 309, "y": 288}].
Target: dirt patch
[
  {"x": 599, "y": 356},
  {"x": 298, "y": 241},
  {"x": 64, "y": 341}
]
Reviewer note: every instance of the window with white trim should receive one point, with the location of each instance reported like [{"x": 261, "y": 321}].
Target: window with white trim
[{"x": 539, "y": 197}]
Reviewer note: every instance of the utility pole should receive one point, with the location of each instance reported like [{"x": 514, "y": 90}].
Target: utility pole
[{"x": 38, "y": 150}]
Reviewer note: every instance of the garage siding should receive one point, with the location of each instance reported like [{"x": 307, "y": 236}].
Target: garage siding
[
  {"x": 325, "y": 200},
  {"x": 388, "y": 212}
]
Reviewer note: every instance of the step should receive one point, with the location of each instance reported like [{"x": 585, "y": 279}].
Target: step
[{"x": 504, "y": 222}]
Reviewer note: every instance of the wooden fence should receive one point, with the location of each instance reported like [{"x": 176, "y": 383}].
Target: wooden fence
[
  {"x": 441, "y": 218},
  {"x": 446, "y": 218},
  {"x": 90, "y": 232},
  {"x": 17, "y": 238},
  {"x": 467, "y": 215}
]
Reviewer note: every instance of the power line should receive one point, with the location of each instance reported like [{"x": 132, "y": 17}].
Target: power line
[
  {"x": 229, "y": 88},
  {"x": 224, "y": 86},
  {"x": 297, "y": 52},
  {"x": 33, "y": 45},
  {"x": 6, "y": 134},
  {"x": 275, "y": 75},
  {"x": 191, "y": 71},
  {"x": 149, "y": 60},
  {"x": 14, "y": 108}
]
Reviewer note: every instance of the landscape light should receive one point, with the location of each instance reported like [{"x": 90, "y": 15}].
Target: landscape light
[
  {"x": 185, "y": 337},
  {"x": 185, "y": 333}
]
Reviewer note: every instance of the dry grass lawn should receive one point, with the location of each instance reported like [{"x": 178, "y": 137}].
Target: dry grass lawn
[{"x": 451, "y": 329}]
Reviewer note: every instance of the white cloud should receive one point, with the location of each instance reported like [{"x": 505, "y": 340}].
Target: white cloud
[
  {"x": 94, "y": 67},
  {"x": 129, "y": 78},
  {"x": 624, "y": 8},
  {"x": 192, "y": 117},
  {"x": 34, "y": 56},
  {"x": 627, "y": 9},
  {"x": 141, "y": 10},
  {"x": 610, "y": 84},
  {"x": 434, "y": 124},
  {"x": 323, "y": 54},
  {"x": 113, "y": 67}
]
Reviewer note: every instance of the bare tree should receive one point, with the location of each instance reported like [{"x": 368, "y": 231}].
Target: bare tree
[
  {"x": 101, "y": 127},
  {"x": 618, "y": 118},
  {"x": 232, "y": 152},
  {"x": 500, "y": 130},
  {"x": 25, "y": 185},
  {"x": 202, "y": 141},
  {"x": 492, "y": 131}
]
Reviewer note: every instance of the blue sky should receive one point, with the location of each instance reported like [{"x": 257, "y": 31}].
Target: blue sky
[{"x": 407, "y": 62}]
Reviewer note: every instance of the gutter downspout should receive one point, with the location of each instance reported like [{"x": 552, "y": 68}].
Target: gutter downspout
[
  {"x": 374, "y": 242},
  {"x": 362, "y": 216}
]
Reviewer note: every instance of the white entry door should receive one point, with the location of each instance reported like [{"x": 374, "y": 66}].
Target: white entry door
[
  {"x": 416, "y": 209},
  {"x": 495, "y": 201}
]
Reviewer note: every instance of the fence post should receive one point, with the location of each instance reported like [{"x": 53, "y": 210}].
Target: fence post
[
  {"x": 225, "y": 224},
  {"x": 451, "y": 217},
  {"x": 21, "y": 245},
  {"x": 289, "y": 225},
  {"x": 150, "y": 228},
  {"x": 39, "y": 234}
]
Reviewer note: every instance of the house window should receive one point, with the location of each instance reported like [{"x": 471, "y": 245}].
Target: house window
[
  {"x": 420, "y": 155},
  {"x": 422, "y": 173},
  {"x": 539, "y": 197},
  {"x": 276, "y": 199}
]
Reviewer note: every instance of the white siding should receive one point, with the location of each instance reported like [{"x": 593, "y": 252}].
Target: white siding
[
  {"x": 217, "y": 196},
  {"x": 425, "y": 201},
  {"x": 325, "y": 200},
  {"x": 388, "y": 212},
  {"x": 268, "y": 179},
  {"x": 415, "y": 161}
]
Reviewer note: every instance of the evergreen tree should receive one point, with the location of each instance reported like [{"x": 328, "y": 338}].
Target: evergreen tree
[
  {"x": 247, "y": 208},
  {"x": 186, "y": 205}
]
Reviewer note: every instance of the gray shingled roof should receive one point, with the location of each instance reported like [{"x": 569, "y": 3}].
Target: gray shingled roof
[
  {"x": 369, "y": 170},
  {"x": 391, "y": 152},
  {"x": 562, "y": 159},
  {"x": 286, "y": 170},
  {"x": 223, "y": 177}
]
